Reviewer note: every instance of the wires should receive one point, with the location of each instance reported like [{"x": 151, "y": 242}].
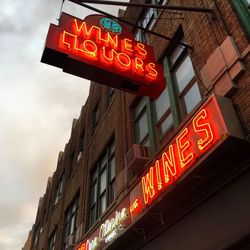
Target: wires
[{"x": 61, "y": 8}]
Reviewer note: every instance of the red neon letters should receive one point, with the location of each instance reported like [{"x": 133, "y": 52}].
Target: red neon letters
[
  {"x": 190, "y": 144},
  {"x": 93, "y": 43},
  {"x": 87, "y": 49}
]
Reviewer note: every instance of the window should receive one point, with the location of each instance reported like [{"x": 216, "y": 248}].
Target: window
[
  {"x": 164, "y": 119},
  {"x": 242, "y": 10},
  {"x": 59, "y": 189},
  {"x": 102, "y": 189},
  {"x": 141, "y": 123},
  {"x": 52, "y": 241},
  {"x": 148, "y": 20},
  {"x": 154, "y": 119},
  {"x": 110, "y": 95},
  {"x": 183, "y": 77},
  {"x": 70, "y": 222},
  {"x": 82, "y": 141},
  {"x": 72, "y": 162},
  {"x": 95, "y": 118}
]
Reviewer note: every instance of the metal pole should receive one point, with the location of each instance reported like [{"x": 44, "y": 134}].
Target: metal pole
[
  {"x": 155, "y": 6},
  {"x": 134, "y": 25}
]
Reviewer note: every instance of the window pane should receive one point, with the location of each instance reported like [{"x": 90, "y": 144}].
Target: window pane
[
  {"x": 141, "y": 128},
  {"x": 184, "y": 73},
  {"x": 72, "y": 225},
  {"x": 148, "y": 19},
  {"x": 112, "y": 148},
  {"x": 146, "y": 142},
  {"x": 138, "y": 36},
  {"x": 192, "y": 97},
  {"x": 139, "y": 107},
  {"x": 94, "y": 176},
  {"x": 162, "y": 104},
  {"x": 93, "y": 215},
  {"x": 103, "y": 181},
  {"x": 103, "y": 203},
  {"x": 112, "y": 168},
  {"x": 112, "y": 192},
  {"x": 161, "y": 2},
  {"x": 103, "y": 161},
  {"x": 167, "y": 123},
  {"x": 93, "y": 194},
  {"x": 175, "y": 54}
]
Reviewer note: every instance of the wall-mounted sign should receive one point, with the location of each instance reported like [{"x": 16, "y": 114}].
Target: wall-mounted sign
[
  {"x": 102, "y": 50},
  {"x": 109, "y": 230},
  {"x": 207, "y": 129}
]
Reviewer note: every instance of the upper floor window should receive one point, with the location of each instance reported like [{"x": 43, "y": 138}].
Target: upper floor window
[
  {"x": 183, "y": 75},
  {"x": 154, "y": 119},
  {"x": 242, "y": 10},
  {"x": 70, "y": 220},
  {"x": 52, "y": 241},
  {"x": 163, "y": 113},
  {"x": 141, "y": 123},
  {"x": 95, "y": 118},
  {"x": 148, "y": 20},
  {"x": 102, "y": 188},
  {"x": 59, "y": 189}
]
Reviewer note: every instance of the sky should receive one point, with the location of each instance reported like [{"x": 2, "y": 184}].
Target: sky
[{"x": 37, "y": 105}]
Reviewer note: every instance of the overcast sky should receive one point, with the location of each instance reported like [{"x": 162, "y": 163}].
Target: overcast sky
[{"x": 37, "y": 105}]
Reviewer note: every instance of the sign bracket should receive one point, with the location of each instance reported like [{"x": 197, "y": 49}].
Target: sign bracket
[
  {"x": 145, "y": 5},
  {"x": 132, "y": 24}
]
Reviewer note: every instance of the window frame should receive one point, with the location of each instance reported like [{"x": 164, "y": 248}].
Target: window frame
[
  {"x": 52, "y": 240},
  {"x": 59, "y": 189},
  {"x": 242, "y": 11},
  {"x": 95, "y": 176},
  {"x": 71, "y": 213},
  {"x": 182, "y": 109},
  {"x": 141, "y": 34},
  {"x": 158, "y": 123}
]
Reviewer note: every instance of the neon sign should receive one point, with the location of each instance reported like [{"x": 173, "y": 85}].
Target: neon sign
[
  {"x": 100, "y": 49},
  {"x": 206, "y": 130},
  {"x": 108, "y": 231},
  {"x": 192, "y": 142},
  {"x": 189, "y": 145},
  {"x": 197, "y": 138}
]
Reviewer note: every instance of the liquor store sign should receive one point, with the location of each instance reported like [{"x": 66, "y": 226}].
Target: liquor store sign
[
  {"x": 107, "y": 232},
  {"x": 102, "y": 50},
  {"x": 198, "y": 138}
]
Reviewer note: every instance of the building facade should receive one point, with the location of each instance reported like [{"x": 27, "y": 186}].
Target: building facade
[{"x": 170, "y": 173}]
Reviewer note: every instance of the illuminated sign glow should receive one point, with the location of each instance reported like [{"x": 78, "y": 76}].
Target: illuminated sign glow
[
  {"x": 198, "y": 137},
  {"x": 100, "y": 49},
  {"x": 108, "y": 231}
]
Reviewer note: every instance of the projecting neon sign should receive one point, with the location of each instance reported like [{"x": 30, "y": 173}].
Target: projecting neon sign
[{"x": 102, "y": 50}]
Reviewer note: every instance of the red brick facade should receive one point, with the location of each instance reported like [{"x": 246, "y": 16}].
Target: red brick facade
[{"x": 221, "y": 58}]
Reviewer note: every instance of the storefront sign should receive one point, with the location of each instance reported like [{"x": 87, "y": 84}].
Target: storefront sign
[
  {"x": 102, "y": 50},
  {"x": 198, "y": 137},
  {"x": 107, "y": 232},
  {"x": 206, "y": 130}
]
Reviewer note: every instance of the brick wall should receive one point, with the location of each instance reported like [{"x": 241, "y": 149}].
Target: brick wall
[{"x": 206, "y": 33}]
